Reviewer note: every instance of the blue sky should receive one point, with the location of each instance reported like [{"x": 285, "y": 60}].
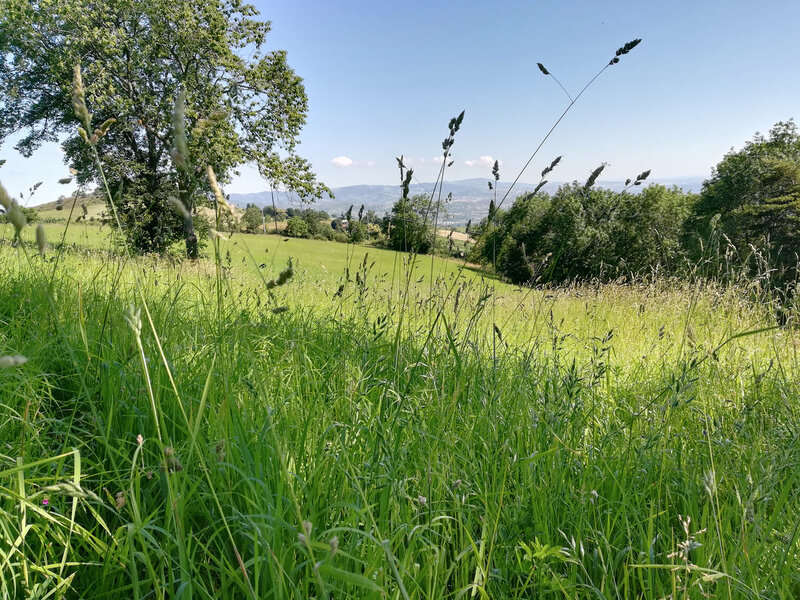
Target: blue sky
[{"x": 384, "y": 78}]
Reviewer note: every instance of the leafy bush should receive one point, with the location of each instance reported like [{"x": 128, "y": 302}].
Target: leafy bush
[
  {"x": 407, "y": 227},
  {"x": 357, "y": 231},
  {"x": 297, "y": 227},
  {"x": 585, "y": 233},
  {"x": 252, "y": 220}
]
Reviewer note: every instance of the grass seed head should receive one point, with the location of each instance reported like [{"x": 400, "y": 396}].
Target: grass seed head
[
  {"x": 593, "y": 177},
  {"x": 103, "y": 129},
  {"x": 212, "y": 181},
  {"x": 172, "y": 460},
  {"x": 134, "y": 319},
  {"x": 180, "y": 207},
  {"x": 180, "y": 152},
  {"x": 5, "y": 199},
  {"x": 41, "y": 239},
  {"x": 79, "y": 99},
  {"x": 12, "y": 361},
  {"x": 17, "y": 217}
]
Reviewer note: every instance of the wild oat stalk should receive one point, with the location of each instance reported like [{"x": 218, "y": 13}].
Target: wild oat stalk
[{"x": 620, "y": 52}]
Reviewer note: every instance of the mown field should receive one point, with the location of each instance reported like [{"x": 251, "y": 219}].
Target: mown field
[{"x": 373, "y": 428}]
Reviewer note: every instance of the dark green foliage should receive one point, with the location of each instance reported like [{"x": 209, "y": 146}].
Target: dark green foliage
[
  {"x": 357, "y": 232},
  {"x": 649, "y": 228},
  {"x": 371, "y": 217},
  {"x": 149, "y": 222},
  {"x": 307, "y": 213},
  {"x": 297, "y": 227},
  {"x": 581, "y": 233},
  {"x": 274, "y": 213},
  {"x": 756, "y": 192},
  {"x": 407, "y": 227},
  {"x": 252, "y": 220}
]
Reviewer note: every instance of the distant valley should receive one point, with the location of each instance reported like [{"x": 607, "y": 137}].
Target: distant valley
[{"x": 470, "y": 196}]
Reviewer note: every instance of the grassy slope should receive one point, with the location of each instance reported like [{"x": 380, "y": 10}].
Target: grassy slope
[{"x": 340, "y": 450}]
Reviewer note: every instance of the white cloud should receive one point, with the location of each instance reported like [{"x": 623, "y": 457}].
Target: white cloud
[
  {"x": 346, "y": 161},
  {"x": 438, "y": 159},
  {"x": 343, "y": 161},
  {"x": 483, "y": 161}
]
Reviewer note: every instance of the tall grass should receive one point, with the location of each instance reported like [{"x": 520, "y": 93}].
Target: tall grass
[
  {"x": 613, "y": 413},
  {"x": 229, "y": 430}
]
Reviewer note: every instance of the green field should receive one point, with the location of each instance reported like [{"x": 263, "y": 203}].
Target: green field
[{"x": 370, "y": 431}]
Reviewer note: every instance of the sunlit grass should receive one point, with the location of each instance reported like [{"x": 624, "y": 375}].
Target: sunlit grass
[{"x": 502, "y": 443}]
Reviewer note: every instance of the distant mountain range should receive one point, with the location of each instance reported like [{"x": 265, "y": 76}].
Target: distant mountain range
[{"x": 470, "y": 196}]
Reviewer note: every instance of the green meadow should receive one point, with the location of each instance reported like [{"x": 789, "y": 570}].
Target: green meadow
[{"x": 365, "y": 424}]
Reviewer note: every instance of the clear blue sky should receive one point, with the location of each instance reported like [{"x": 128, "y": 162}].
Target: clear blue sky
[{"x": 383, "y": 79}]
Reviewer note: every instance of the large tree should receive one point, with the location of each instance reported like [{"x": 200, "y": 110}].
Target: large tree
[
  {"x": 243, "y": 104},
  {"x": 756, "y": 193},
  {"x": 409, "y": 225}
]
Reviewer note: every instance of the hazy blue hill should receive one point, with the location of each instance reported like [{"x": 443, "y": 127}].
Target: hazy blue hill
[{"x": 470, "y": 196}]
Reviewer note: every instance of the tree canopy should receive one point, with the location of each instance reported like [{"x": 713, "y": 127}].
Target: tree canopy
[
  {"x": 408, "y": 226},
  {"x": 756, "y": 193},
  {"x": 585, "y": 232},
  {"x": 243, "y": 103}
]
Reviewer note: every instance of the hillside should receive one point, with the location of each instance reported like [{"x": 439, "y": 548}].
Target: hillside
[{"x": 470, "y": 196}]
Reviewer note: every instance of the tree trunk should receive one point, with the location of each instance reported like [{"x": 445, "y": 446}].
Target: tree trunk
[
  {"x": 191, "y": 238},
  {"x": 189, "y": 235}
]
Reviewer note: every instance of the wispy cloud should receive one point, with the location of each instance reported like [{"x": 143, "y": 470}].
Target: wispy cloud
[
  {"x": 343, "y": 161},
  {"x": 346, "y": 161},
  {"x": 483, "y": 161},
  {"x": 438, "y": 159}
]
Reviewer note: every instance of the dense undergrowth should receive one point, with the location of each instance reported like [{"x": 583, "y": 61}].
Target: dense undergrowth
[{"x": 178, "y": 434}]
